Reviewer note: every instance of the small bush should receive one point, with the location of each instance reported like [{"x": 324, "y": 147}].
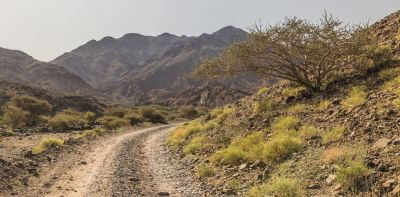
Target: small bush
[
  {"x": 178, "y": 137},
  {"x": 389, "y": 73},
  {"x": 152, "y": 115},
  {"x": 47, "y": 143},
  {"x": 396, "y": 103},
  {"x": 34, "y": 106},
  {"x": 308, "y": 131},
  {"x": 262, "y": 91},
  {"x": 216, "y": 112},
  {"x": 188, "y": 112},
  {"x": 297, "y": 108},
  {"x": 333, "y": 135},
  {"x": 14, "y": 117},
  {"x": 67, "y": 119},
  {"x": 357, "y": 97},
  {"x": 284, "y": 124},
  {"x": 253, "y": 147},
  {"x": 94, "y": 133},
  {"x": 112, "y": 122},
  {"x": 134, "y": 119},
  {"x": 227, "y": 110},
  {"x": 352, "y": 176},
  {"x": 203, "y": 171},
  {"x": 195, "y": 145},
  {"x": 264, "y": 106},
  {"x": 292, "y": 91},
  {"x": 393, "y": 85},
  {"x": 324, "y": 105},
  {"x": 90, "y": 116},
  {"x": 281, "y": 147},
  {"x": 278, "y": 186},
  {"x": 231, "y": 155},
  {"x": 333, "y": 154}
]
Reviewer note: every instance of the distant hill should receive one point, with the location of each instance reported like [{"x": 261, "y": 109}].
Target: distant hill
[
  {"x": 141, "y": 69},
  {"x": 17, "y": 66}
]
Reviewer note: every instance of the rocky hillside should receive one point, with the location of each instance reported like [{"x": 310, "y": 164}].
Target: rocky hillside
[
  {"x": 16, "y": 66},
  {"x": 141, "y": 68},
  {"x": 284, "y": 141},
  {"x": 60, "y": 101}
]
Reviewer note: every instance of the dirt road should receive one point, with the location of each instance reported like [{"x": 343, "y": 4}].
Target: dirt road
[{"x": 133, "y": 164}]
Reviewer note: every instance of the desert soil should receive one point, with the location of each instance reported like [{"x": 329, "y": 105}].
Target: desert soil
[{"x": 136, "y": 163}]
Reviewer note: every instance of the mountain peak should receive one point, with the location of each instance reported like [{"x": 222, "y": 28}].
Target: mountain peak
[
  {"x": 167, "y": 35},
  {"x": 231, "y": 34}
]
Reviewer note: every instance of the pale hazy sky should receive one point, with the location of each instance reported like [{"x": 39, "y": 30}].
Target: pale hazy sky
[{"x": 47, "y": 28}]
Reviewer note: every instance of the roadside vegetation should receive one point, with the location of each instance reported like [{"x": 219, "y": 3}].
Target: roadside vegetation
[{"x": 321, "y": 111}]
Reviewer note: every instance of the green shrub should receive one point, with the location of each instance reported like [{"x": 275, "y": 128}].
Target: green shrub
[
  {"x": 299, "y": 107},
  {"x": 134, "y": 119},
  {"x": 278, "y": 186},
  {"x": 34, "y": 106},
  {"x": 262, "y": 91},
  {"x": 253, "y": 147},
  {"x": 112, "y": 122},
  {"x": 333, "y": 135},
  {"x": 178, "y": 136},
  {"x": 203, "y": 171},
  {"x": 47, "y": 143},
  {"x": 396, "y": 103},
  {"x": 152, "y": 115},
  {"x": 308, "y": 131},
  {"x": 324, "y": 105},
  {"x": 67, "y": 119},
  {"x": 90, "y": 116},
  {"x": 88, "y": 134},
  {"x": 231, "y": 155},
  {"x": 281, "y": 147},
  {"x": 227, "y": 110},
  {"x": 284, "y": 124},
  {"x": 352, "y": 176},
  {"x": 14, "y": 117},
  {"x": 288, "y": 92},
  {"x": 264, "y": 106},
  {"x": 216, "y": 112},
  {"x": 357, "y": 97},
  {"x": 389, "y": 73},
  {"x": 195, "y": 145},
  {"x": 188, "y": 112}
]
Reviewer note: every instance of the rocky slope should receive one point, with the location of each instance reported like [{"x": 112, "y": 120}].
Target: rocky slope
[
  {"x": 16, "y": 66},
  {"x": 359, "y": 159},
  {"x": 58, "y": 100},
  {"x": 141, "y": 68}
]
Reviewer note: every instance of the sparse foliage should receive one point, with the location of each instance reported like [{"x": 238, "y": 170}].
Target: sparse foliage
[
  {"x": 357, "y": 97},
  {"x": 14, "y": 117},
  {"x": 34, "y": 106},
  {"x": 278, "y": 186},
  {"x": 309, "y": 54},
  {"x": 47, "y": 143}
]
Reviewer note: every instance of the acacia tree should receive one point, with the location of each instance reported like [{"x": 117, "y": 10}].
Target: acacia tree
[{"x": 309, "y": 54}]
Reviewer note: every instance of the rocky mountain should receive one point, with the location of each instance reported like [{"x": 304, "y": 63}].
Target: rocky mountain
[
  {"x": 142, "y": 69},
  {"x": 17, "y": 66}
]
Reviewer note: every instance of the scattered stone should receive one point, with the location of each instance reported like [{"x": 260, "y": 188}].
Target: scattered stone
[
  {"x": 396, "y": 141},
  {"x": 229, "y": 191},
  {"x": 330, "y": 178},
  {"x": 243, "y": 166},
  {"x": 389, "y": 183},
  {"x": 337, "y": 187},
  {"x": 381, "y": 143},
  {"x": 396, "y": 190},
  {"x": 163, "y": 194},
  {"x": 82, "y": 163},
  {"x": 314, "y": 186}
]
